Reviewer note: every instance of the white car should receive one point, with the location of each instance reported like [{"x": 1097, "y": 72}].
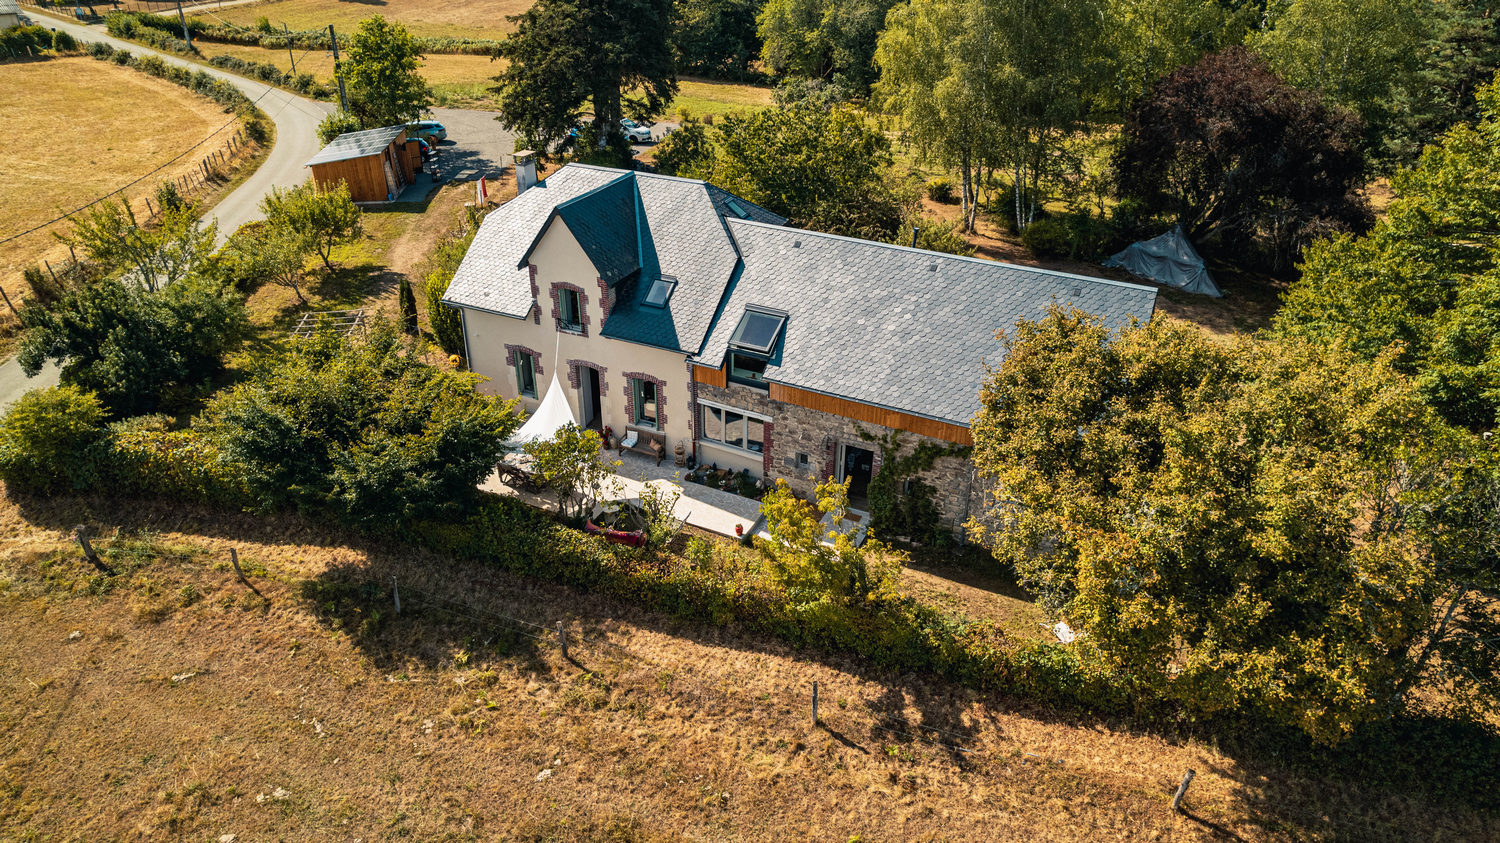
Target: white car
[{"x": 635, "y": 132}]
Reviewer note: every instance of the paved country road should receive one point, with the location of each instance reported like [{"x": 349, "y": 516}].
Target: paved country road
[{"x": 479, "y": 146}]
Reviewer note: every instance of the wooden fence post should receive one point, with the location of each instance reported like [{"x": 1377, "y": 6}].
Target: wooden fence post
[
  {"x": 396, "y": 594},
  {"x": 8, "y": 304},
  {"x": 49, "y": 270},
  {"x": 234, "y": 559},
  {"x": 562, "y": 639},
  {"x": 815, "y": 704},
  {"x": 150, "y": 209},
  {"x": 1182, "y": 791}
]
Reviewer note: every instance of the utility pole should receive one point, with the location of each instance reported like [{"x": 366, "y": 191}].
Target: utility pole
[
  {"x": 186, "y": 36},
  {"x": 337, "y": 71},
  {"x": 289, "y": 54}
]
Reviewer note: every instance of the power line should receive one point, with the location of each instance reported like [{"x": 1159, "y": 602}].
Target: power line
[{"x": 241, "y": 112}]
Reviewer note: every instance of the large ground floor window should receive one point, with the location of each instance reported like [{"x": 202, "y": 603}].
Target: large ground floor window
[{"x": 733, "y": 428}]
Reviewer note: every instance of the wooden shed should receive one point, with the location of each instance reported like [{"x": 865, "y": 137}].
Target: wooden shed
[{"x": 376, "y": 163}]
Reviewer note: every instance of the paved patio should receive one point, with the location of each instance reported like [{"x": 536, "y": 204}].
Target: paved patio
[{"x": 707, "y": 509}]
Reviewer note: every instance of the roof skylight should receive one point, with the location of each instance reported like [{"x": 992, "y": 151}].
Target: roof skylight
[
  {"x": 661, "y": 290},
  {"x": 758, "y": 330}
]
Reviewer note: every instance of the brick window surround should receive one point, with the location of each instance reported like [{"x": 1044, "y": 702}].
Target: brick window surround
[
  {"x": 661, "y": 398},
  {"x": 599, "y": 371},
  {"x": 583, "y": 308},
  {"x": 536, "y": 363}
]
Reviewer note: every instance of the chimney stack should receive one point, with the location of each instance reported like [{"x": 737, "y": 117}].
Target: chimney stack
[{"x": 525, "y": 170}]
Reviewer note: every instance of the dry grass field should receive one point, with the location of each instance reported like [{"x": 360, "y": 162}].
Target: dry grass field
[
  {"x": 481, "y": 19},
  {"x": 164, "y": 700},
  {"x": 80, "y": 129}
]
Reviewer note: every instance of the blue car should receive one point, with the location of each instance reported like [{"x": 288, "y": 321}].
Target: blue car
[{"x": 429, "y": 130}]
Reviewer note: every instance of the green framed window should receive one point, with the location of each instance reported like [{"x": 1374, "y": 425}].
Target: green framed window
[{"x": 526, "y": 374}]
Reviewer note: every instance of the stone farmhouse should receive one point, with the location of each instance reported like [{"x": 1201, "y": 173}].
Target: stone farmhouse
[{"x": 676, "y": 311}]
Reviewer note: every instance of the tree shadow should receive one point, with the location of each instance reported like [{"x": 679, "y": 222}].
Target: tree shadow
[{"x": 1279, "y": 778}]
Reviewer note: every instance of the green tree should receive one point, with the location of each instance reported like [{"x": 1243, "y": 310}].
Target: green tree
[
  {"x": 1354, "y": 51},
  {"x": 568, "y": 52},
  {"x": 325, "y": 217},
  {"x": 446, "y": 322},
  {"x": 716, "y": 37},
  {"x": 382, "y": 75},
  {"x": 360, "y": 427},
  {"x": 816, "y": 563},
  {"x": 1241, "y": 527},
  {"x": 1147, "y": 39},
  {"x": 1425, "y": 282},
  {"x": 408, "y": 302},
  {"x": 823, "y": 168},
  {"x": 569, "y": 463},
  {"x": 158, "y": 255},
  {"x": 993, "y": 84},
  {"x": 826, "y": 39},
  {"x": 336, "y": 124},
  {"x": 135, "y": 348},
  {"x": 275, "y": 253},
  {"x": 1459, "y": 57},
  {"x": 47, "y": 439}
]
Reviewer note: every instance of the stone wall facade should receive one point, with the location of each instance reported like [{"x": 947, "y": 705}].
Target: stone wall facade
[{"x": 806, "y": 445}]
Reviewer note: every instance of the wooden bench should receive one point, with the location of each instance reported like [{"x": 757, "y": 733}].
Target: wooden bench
[{"x": 649, "y": 442}]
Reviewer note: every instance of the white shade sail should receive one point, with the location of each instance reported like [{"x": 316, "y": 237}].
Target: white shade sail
[{"x": 549, "y": 417}]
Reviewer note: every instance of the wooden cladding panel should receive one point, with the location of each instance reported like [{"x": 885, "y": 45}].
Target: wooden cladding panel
[
  {"x": 872, "y": 415},
  {"x": 712, "y": 377}
]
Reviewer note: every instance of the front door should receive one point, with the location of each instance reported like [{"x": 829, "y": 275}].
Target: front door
[
  {"x": 857, "y": 467},
  {"x": 588, "y": 398}
]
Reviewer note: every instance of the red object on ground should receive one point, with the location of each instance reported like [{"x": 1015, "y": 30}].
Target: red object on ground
[
  {"x": 632, "y": 538},
  {"x": 739, "y": 530}
]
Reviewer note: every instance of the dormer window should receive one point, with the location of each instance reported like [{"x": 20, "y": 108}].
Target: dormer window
[
  {"x": 758, "y": 331},
  {"x": 747, "y": 367},
  {"x": 661, "y": 290}
]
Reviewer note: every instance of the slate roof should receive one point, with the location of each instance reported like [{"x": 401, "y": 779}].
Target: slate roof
[
  {"x": 356, "y": 145},
  {"x": 900, "y": 328},
  {"x": 489, "y": 278},
  {"x": 885, "y": 325},
  {"x": 635, "y": 227},
  {"x": 603, "y": 222},
  {"x": 10, "y": 7}
]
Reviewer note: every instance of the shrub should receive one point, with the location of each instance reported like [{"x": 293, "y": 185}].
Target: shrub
[
  {"x": 447, "y": 325},
  {"x": 63, "y": 42},
  {"x": 337, "y": 124},
  {"x": 1048, "y": 238},
  {"x": 940, "y": 190},
  {"x": 48, "y": 439}
]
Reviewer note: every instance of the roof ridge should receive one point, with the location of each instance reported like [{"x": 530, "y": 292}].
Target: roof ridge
[{"x": 786, "y": 229}]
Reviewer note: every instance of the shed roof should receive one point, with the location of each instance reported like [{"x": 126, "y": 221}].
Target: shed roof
[
  {"x": 10, "y": 7},
  {"x": 355, "y": 144}
]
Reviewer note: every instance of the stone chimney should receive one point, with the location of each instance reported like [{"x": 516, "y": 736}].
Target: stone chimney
[{"x": 525, "y": 170}]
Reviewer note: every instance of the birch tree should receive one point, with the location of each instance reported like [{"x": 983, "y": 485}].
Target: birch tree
[{"x": 994, "y": 85}]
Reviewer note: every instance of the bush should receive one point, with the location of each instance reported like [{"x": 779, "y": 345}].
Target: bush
[
  {"x": 940, "y": 190},
  {"x": 48, "y": 440},
  {"x": 447, "y": 326},
  {"x": 62, "y": 42},
  {"x": 1048, "y": 238},
  {"x": 336, "y": 124}
]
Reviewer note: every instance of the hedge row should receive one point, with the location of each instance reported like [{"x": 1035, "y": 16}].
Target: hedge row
[
  {"x": 302, "y": 83},
  {"x": 142, "y": 26},
  {"x": 27, "y": 41},
  {"x": 902, "y": 633},
  {"x": 150, "y": 30},
  {"x": 197, "y": 81}
]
